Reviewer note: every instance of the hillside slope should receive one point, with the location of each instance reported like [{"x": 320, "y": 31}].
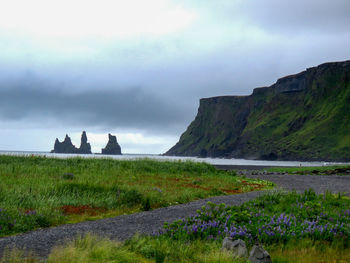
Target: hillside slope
[{"x": 301, "y": 117}]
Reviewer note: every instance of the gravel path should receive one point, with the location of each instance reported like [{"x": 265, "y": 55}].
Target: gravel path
[
  {"x": 124, "y": 227},
  {"x": 300, "y": 183}
]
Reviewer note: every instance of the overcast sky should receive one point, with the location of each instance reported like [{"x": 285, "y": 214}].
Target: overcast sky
[{"x": 137, "y": 69}]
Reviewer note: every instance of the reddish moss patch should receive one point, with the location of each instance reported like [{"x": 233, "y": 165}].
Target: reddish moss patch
[
  {"x": 254, "y": 186},
  {"x": 197, "y": 187},
  {"x": 82, "y": 209},
  {"x": 227, "y": 191},
  {"x": 178, "y": 179},
  {"x": 231, "y": 191}
]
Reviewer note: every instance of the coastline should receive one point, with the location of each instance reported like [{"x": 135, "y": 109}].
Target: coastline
[{"x": 246, "y": 164}]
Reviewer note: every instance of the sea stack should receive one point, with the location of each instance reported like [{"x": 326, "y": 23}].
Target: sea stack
[
  {"x": 67, "y": 146},
  {"x": 64, "y": 147},
  {"x": 112, "y": 146},
  {"x": 85, "y": 147}
]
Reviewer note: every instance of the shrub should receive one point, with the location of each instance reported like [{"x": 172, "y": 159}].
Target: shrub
[
  {"x": 146, "y": 204},
  {"x": 130, "y": 197}
]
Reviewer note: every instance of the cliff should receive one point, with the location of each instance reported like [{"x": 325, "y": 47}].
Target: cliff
[
  {"x": 301, "y": 117},
  {"x": 112, "y": 146},
  {"x": 67, "y": 146}
]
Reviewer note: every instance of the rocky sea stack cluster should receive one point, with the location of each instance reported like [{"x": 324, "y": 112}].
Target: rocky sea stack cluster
[
  {"x": 112, "y": 146},
  {"x": 67, "y": 146}
]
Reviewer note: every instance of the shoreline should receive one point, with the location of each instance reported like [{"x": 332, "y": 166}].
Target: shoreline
[{"x": 220, "y": 162}]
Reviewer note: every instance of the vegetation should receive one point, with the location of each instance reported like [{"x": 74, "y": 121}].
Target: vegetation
[
  {"x": 272, "y": 218},
  {"x": 41, "y": 192},
  {"x": 311, "y": 124},
  {"x": 307, "y": 212},
  {"x": 321, "y": 170}
]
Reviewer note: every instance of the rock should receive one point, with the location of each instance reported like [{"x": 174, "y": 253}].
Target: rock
[
  {"x": 67, "y": 146},
  {"x": 259, "y": 255},
  {"x": 112, "y": 146},
  {"x": 85, "y": 147},
  {"x": 64, "y": 147},
  {"x": 238, "y": 247},
  {"x": 292, "y": 83}
]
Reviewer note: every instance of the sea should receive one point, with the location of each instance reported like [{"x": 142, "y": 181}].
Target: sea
[{"x": 214, "y": 161}]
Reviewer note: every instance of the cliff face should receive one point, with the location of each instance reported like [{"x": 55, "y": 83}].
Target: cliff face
[
  {"x": 301, "y": 117},
  {"x": 67, "y": 146},
  {"x": 112, "y": 146}
]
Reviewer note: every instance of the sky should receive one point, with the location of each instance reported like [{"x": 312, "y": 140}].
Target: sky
[{"x": 137, "y": 69}]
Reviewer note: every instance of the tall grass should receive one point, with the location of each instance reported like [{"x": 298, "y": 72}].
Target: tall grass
[
  {"x": 147, "y": 249},
  {"x": 40, "y": 192}
]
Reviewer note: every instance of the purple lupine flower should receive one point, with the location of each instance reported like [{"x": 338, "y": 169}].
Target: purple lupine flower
[{"x": 194, "y": 228}]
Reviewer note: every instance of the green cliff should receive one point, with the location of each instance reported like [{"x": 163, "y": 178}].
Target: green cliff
[{"x": 301, "y": 117}]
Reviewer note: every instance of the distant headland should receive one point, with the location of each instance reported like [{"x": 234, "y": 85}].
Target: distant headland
[
  {"x": 67, "y": 146},
  {"x": 302, "y": 117}
]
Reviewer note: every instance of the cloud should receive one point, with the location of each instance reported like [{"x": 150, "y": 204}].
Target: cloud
[
  {"x": 295, "y": 17},
  {"x": 145, "y": 70},
  {"x": 280, "y": 17},
  {"x": 104, "y": 18},
  {"x": 133, "y": 108}
]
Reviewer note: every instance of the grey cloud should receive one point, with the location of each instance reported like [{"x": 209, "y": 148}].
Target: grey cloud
[
  {"x": 328, "y": 17},
  {"x": 284, "y": 17},
  {"x": 173, "y": 72},
  {"x": 132, "y": 108}
]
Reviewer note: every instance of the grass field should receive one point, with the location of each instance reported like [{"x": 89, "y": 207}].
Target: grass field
[
  {"x": 41, "y": 192},
  {"x": 303, "y": 228}
]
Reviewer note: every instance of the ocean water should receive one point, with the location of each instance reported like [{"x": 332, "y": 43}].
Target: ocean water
[{"x": 216, "y": 161}]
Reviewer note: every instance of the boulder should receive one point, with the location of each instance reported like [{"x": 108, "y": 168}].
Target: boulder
[
  {"x": 238, "y": 247},
  {"x": 259, "y": 255},
  {"x": 112, "y": 146}
]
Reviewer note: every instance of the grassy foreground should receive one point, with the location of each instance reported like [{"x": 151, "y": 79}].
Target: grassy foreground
[
  {"x": 41, "y": 192},
  {"x": 319, "y": 233}
]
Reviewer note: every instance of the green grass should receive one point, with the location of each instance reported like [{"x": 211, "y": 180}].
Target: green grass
[
  {"x": 166, "y": 248},
  {"x": 41, "y": 192},
  {"x": 323, "y": 170},
  {"x": 146, "y": 250}
]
